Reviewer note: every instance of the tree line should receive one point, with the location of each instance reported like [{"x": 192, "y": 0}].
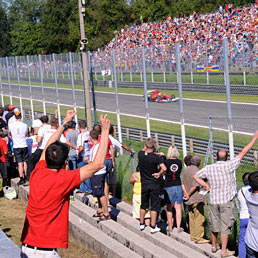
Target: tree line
[{"x": 32, "y": 27}]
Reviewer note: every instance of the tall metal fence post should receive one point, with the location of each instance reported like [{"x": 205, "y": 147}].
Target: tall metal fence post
[
  {"x": 230, "y": 126},
  {"x": 57, "y": 95},
  {"x": 9, "y": 81},
  {"x": 164, "y": 66},
  {"x": 207, "y": 64},
  {"x": 211, "y": 139},
  {"x": 18, "y": 81},
  {"x": 243, "y": 61},
  {"x": 31, "y": 98},
  {"x": 191, "y": 63},
  {"x": 1, "y": 87},
  {"x": 146, "y": 94},
  {"x": 42, "y": 86},
  {"x": 117, "y": 101},
  {"x": 73, "y": 88},
  {"x": 152, "y": 77},
  {"x": 178, "y": 65}
]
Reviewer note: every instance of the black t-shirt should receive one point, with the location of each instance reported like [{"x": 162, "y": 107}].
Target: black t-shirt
[
  {"x": 2, "y": 123},
  {"x": 172, "y": 176},
  {"x": 8, "y": 116},
  {"x": 148, "y": 164}
]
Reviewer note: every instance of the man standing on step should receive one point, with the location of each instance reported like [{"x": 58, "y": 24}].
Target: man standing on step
[
  {"x": 222, "y": 180},
  {"x": 18, "y": 132},
  {"x": 46, "y": 224},
  {"x": 149, "y": 164},
  {"x": 195, "y": 202}
]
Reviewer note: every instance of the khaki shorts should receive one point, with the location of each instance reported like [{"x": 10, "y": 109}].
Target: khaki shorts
[{"x": 222, "y": 217}]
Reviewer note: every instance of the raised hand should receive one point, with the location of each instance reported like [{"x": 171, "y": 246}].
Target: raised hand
[
  {"x": 70, "y": 114},
  {"x": 104, "y": 122}
]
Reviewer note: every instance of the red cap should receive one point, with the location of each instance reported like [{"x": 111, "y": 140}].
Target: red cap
[{"x": 11, "y": 107}]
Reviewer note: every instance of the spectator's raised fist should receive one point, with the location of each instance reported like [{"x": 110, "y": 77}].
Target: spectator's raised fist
[
  {"x": 70, "y": 114},
  {"x": 105, "y": 122}
]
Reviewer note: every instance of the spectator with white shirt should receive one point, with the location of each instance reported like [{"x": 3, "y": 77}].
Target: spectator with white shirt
[
  {"x": 84, "y": 154},
  {"x": 243, "y": 215},
  {"x": 116, "y": 144},
  {"x": 98, "y": 181},
  {"x": 251, "y": 197},
  {"x": 39, "y": 125},
  {"x": 18, "y": 132}
]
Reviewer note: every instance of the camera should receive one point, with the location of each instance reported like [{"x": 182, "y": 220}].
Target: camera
[{"x": 84, "y": 41}]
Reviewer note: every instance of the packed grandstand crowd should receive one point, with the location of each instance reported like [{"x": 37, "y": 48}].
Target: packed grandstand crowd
[{"x": 197, "y": 34}]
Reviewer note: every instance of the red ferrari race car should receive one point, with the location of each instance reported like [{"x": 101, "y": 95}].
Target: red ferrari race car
[{"x": 156, "y": 96}]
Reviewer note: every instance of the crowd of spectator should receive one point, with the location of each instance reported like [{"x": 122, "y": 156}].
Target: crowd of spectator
[
  {"x": 198, "y": 34},
  {"x": 157, "y": 177}
]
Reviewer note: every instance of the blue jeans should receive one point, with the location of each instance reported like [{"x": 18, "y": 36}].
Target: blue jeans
[
  {"x": 241, "y": 245},
  {"x": 250, "y": 253},
  {"x": 173, "y": 194},
  {"x": 72, "y": 160},
  {"x": 85, "y": 186}
]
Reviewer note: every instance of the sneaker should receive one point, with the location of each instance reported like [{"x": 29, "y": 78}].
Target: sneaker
[
  {"x": 142, "y": 226},
  {"x": 21, "y": 182},
  {"x": 155, "y": 229}
]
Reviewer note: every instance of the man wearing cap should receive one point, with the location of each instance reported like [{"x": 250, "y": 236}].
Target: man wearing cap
[
  {"x": 18, "y": 132},
  {"x": 10, "y": 113}
]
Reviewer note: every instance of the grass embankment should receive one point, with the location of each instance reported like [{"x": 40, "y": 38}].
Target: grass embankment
[{"x": 12, "y": 217}]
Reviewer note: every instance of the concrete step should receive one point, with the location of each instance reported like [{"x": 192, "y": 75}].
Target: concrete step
[
  {"x": 7, "y": 247},
  {"x": 171, "y": 245},
  {"x": 128, "y": 238},
  {"x": 97, "y": 241}
]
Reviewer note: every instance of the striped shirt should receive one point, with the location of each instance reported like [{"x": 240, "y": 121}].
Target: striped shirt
[{"x": 222, "y": 180}]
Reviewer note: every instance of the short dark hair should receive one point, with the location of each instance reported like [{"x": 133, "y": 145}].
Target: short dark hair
[
  {"x": 44, "y": 119},
  {"x": 245, "y": 178},
  {"x": 97, "y": 128},
  {"x": 82, "y": 124},
  {"x": 222, "y": 157},
  {"x": 94, "y": 134},
  {"x": 253, "y": 180},
  {"x": 111, "y": 129},
  {"x": 187, "y": 160},
  {"x": 70, "y": 124},
  {"x": 54, "y": 122},
  {"x": 196, "y": 160},
  {"x": 1, "y": 111},
  {"x": 56, "y": 155}
]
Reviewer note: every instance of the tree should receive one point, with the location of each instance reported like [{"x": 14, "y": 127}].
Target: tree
[
  {"x": 60, "y": 26},
  {"x": 5, "y": 43}
]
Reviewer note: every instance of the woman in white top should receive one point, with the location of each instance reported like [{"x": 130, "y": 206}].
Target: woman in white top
[{"x": 243, "y": 215}]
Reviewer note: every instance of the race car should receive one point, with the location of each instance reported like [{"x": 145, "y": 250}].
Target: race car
[{"x": 156, "y": 96}]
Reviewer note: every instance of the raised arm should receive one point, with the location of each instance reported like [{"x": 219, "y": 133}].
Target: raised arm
[
  {"x": 99, "y": 160},
  {"x": 248, "y": 146},
  {"x": 56, "y": 136}
]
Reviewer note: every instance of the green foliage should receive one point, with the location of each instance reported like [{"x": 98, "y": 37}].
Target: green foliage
[{"x": 4, "y": 33}]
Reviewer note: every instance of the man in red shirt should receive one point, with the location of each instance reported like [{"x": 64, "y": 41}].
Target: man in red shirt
[
  {"x": 46, "y": 224},
  {"x": 3, "y": 153}
]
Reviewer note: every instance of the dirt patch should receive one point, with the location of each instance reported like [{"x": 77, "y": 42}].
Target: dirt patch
[{"x": 12, "y": 217}]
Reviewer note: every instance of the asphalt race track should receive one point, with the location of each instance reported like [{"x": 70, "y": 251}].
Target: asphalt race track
[{"x": 196, "y": 112}]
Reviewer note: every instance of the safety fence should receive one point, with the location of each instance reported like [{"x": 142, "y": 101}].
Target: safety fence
[{"x": 40, "y": 79}]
